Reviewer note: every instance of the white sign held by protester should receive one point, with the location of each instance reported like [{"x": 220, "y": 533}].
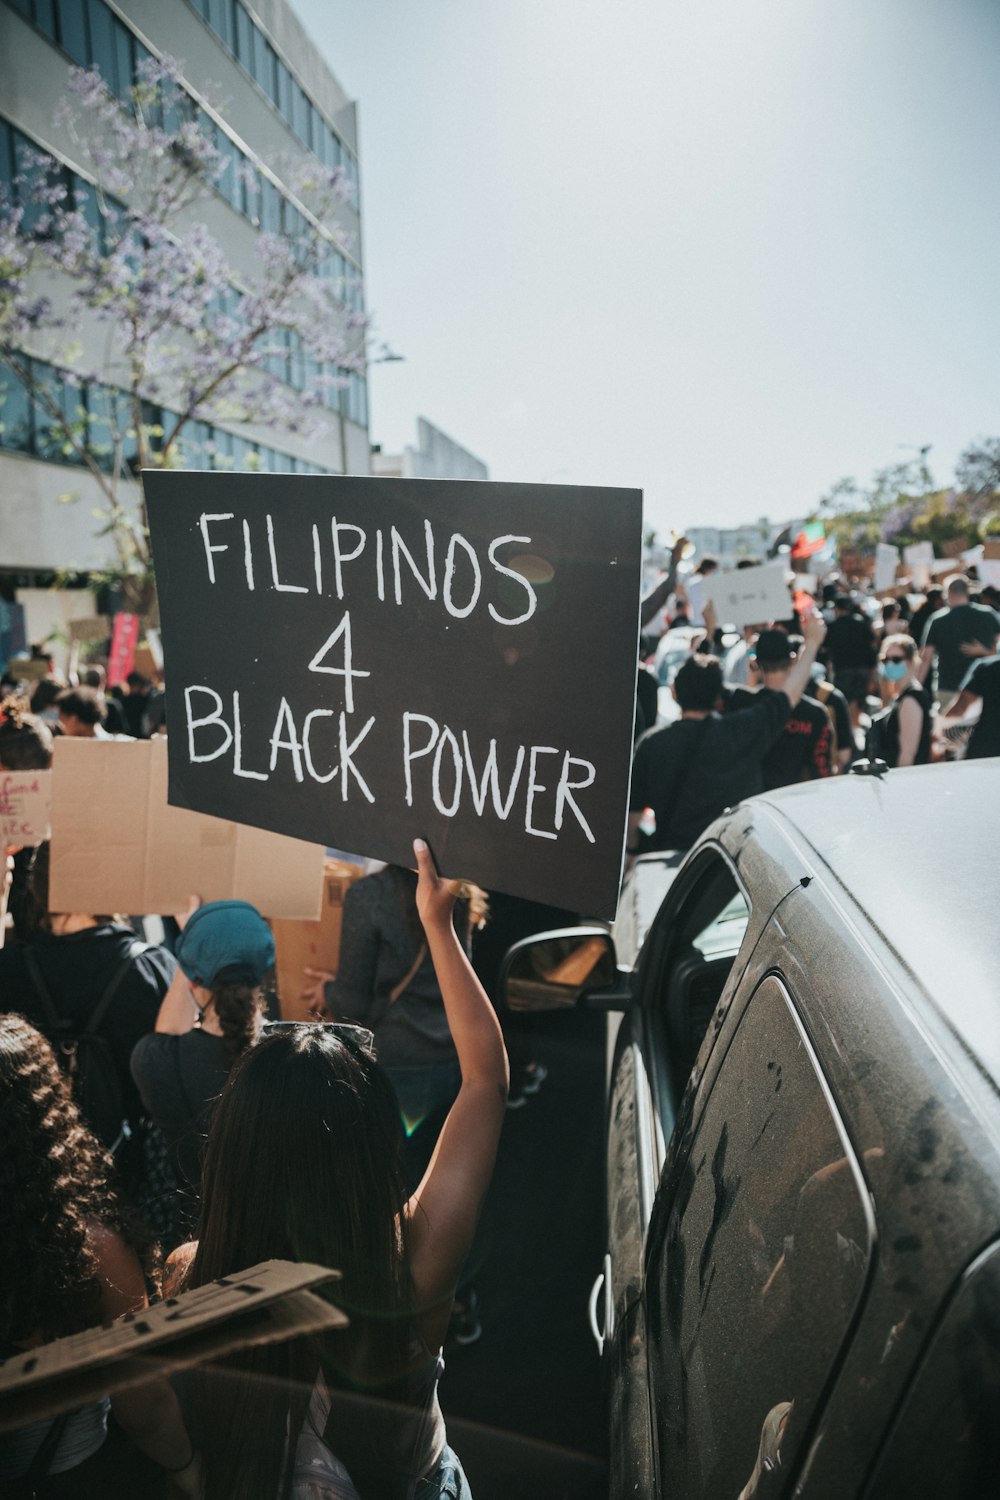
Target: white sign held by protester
[
  {"x": 919, "y": 558},
  {"x": 886, "y": 562},
  {"x": 750, "y": 596}
]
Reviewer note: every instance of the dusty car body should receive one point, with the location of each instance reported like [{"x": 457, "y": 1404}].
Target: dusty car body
[{"x": 801, "y": 1290}]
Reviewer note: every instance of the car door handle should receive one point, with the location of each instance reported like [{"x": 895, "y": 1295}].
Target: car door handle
[{"x": 602, "y": 1335}]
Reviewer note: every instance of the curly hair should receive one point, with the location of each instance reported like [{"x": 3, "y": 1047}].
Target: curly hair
[
  {"x": 55, "y": 1181},
  {"x": 240, "y": 1010}
]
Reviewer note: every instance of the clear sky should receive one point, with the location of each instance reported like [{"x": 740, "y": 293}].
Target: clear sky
[{"x": 726, "y": 251}]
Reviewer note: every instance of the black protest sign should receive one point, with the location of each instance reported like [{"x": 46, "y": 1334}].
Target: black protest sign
[{"x": 360, "y": 661}]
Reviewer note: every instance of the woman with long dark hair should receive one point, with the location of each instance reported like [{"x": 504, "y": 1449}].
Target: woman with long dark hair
[
  {"x": 69, "y": 1260},
  {"x": 303, "y": 1163},
  {"x": 211, "y": 1013}
]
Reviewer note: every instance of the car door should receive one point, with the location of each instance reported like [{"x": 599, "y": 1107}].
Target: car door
[
  {"x": 701, "y": 938},
  {"x": 757, "y": 1257}
]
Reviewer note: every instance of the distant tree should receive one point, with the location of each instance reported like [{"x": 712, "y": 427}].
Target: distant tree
[
  {"x": 183, "y": 330},
  {"x": 978, "y": 468}
]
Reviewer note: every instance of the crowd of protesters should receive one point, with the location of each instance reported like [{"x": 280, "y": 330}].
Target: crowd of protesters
[
  {"x": 905, "y": 679},
  {"x": 161, "y": 1128}
]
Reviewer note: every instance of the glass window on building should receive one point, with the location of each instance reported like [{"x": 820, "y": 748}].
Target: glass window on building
[
  {"x": 73, "y": 31},
  {"x": 15, "y": 412},
  {"x": 300, "y": 114},
  {"x": 270, "y": 211},
  {"x": 264, "y": 60},
  {"x": 250, "y": 201},
  {"x": 244, "y": 38},
  {"x": 222, "y": 446},
  {"x": 222, "y": 21},
  {"x": 45, "y": 18},
  {"x": 7, "y": 157},
  {"x": 59, "y": 415},
  {"x": 284, "y": 89},
  {"x": 101, "y": 425},
  {"x": 128, "y": 57},
  {"x": 102, "y": 45}
]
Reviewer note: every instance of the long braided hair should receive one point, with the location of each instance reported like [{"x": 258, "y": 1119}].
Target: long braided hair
[{"x": 55, "y": 1183}]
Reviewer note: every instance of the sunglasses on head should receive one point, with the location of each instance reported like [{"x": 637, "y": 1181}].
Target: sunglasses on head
[{"x": 354, "y": 1038}]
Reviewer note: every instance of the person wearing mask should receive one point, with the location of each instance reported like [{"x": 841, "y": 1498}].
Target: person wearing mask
[
  {"x": 687, "y": 772},
  {"x": 901, "y": 734}
]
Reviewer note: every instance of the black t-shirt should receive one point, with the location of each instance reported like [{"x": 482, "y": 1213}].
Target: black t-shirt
[
  {"x": 179, "y": 1079},
  {"x": 984, "y": 680},
  {"x": 76, "y": 968},
  {"x": 802, "y": 750},
  {"x": 850, "y": 642},
  {"x": 690, "y": 771},
  {"x": 948, "y": 629}
]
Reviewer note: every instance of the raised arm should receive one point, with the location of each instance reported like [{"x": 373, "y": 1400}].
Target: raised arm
[
  {"x": 813, "y": 632},
  {"x": 654, "y": 601},
  {"x": 445, "y": 1207}
]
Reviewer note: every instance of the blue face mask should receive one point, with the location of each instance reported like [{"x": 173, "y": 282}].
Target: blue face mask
[{"x": 894, "y": 671}]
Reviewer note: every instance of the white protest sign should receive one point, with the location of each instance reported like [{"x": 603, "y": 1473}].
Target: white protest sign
[
  {"x": 886, "y": 562},
  {"x": 750, "y": 596},
  {"x": 989, "y": 571},
  {"x": 919, "y": 558},
  {"x": 25, "y": 806},
  {"x": 974, "y": 556}
]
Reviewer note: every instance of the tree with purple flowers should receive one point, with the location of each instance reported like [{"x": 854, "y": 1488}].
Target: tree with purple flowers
[{"x": 132, "y": 268}]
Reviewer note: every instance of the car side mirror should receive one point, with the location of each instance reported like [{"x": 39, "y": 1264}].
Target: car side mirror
[{"x": 559, "y": 970}]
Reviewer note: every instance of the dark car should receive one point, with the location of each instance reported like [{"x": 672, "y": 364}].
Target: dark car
[{"x": 801, "y": 1291}]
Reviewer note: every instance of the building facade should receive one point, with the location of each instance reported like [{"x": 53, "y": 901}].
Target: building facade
[
  {"x": 436, "y": 456},
  {"x": 281, "y": 104}
]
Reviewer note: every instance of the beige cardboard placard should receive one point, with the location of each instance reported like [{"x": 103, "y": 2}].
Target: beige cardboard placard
[
  {"x": 96, "y": 628},
  {"x": 25, "y": 806},
  {"x": 267, "y": 1303},
  {"x": 28, "y": 669},
  {"x": 991, "y": 550},
  {"x": 117, "y": 846},
  {"x": 315, "y": 945}
]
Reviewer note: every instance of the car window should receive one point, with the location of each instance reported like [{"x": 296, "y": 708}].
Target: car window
[
  {"x": 704, "y": 940},
  {"x": 753, "y": 1281}
]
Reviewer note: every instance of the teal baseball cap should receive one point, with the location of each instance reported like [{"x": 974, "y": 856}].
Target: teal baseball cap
[{"x": 225, "y": 942}]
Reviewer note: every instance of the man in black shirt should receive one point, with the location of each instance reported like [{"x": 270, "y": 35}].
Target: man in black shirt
[
  {"x": 802, "y": 750},
  {"x": 688, "y": 772},
  {"x": 981, "y": 681},
  {"x": 962, "y": 624}
]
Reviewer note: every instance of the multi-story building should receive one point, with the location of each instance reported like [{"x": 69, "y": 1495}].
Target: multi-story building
[
  {"x": 436, "y": 456},
  {"x": 280, "y": 101}
]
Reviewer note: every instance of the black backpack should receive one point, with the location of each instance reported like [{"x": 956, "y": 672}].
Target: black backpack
[{"x": 85, "y": 1055}]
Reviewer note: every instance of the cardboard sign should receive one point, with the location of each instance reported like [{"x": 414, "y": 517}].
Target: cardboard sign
[
  {"x": 25, "y": 807},
  {"x": 95, "y": 628},
  {"x": 268, "y": 1303},
  {"x": 750, "y": 596},
  {"x": 29, "y": 669},
  {"x": 117, "y": 846},
  {"x": 366, "y": 660},
  {"x": 313, "y": 945},
  {"x": 886, "y": 562},
  {"x": 991, "y": 550}
]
